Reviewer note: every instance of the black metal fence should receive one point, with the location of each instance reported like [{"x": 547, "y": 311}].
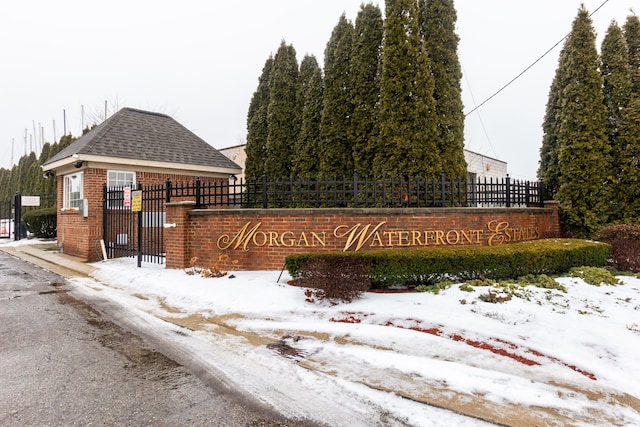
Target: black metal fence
[
  {"x": 11, "y": 212},
  {"x": 131, "y": 229},
  {"x": 356, "y": 192},
  {"x": 6, "y": 219}
]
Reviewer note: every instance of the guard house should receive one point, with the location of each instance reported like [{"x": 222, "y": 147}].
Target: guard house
[{"x": 130, "y": 147}]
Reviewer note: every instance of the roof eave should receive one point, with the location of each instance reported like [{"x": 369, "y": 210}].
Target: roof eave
[{"x": 116, "y": 161}]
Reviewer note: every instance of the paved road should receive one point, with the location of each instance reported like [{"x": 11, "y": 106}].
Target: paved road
[{"x": 65, "y": 362}]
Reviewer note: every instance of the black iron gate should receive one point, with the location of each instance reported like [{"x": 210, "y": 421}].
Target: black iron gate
[
  {"x": 133, "y": 222},
  {"x": 6, "y": 220},
  {"x": 11, "y": 212}
]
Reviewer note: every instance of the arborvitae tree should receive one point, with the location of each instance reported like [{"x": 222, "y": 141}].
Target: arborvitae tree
[
  {"x": 628, "y": 197},
  {"x": 26, "y": 176},
  {"x": 337, "y": 152},
  {"x": 617, "y": 92},
  {"x": 632, "y": 36},
  {"x": 305, "y": 161},
  {"x": 258, "y": 126},
  {"x": 308, "y": 66},
  {"x": 365, "y": 86},
  {"x": 407, "y": 140},
  {"x": 437, "y": 27},
  {"x": 548, "y": 170},
  {"x": 64, "y": 142},
  {"x": 48, "y": 186},
  {"x": 33, "y": 180},
  {"x": 283, "y": 113},
  {"x": 583, "y": 157},
  {"x": 5, "y": 190},
  {"x": 617, "y": 78}
]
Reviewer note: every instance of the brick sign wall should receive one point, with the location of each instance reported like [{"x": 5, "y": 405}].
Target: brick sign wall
[{"x": 261, "y": 239}]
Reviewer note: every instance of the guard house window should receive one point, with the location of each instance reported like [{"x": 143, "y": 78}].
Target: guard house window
[
  {"x": 73, "y": 191},
  {"x": 117, "y": 180}
]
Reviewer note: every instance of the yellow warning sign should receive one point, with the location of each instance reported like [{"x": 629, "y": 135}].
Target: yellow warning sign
[{"x": 136, "y": 201}]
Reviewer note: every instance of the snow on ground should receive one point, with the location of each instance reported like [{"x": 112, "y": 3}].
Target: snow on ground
[
  {"x": 547, "y": 357},
  {"x": 575, "y": 352}
]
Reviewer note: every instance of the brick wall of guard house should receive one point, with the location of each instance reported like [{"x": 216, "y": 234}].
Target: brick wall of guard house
[
  {"x": 79, "y": 236},
  {"x": 196, "y": 232}
]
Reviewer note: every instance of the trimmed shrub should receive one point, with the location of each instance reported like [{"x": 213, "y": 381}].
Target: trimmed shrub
[
  {"x": 341, "y": 278},
  {"x": 41, "y": 222},
  {"x": 618, "y": 232},
  {"x": 625, "y": 246},
  {"x": 429, "y": 266}
]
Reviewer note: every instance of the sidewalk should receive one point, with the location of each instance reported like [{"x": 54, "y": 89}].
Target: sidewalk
[{"x": 47, "y": 256}]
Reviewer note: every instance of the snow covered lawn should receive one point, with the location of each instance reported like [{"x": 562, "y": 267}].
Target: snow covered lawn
[{"x": 546, "y": 357}]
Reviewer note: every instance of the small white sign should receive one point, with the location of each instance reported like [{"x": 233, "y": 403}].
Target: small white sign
[
  {"x": 127, "y": 197},
  {"x": 30, "y": 200}
]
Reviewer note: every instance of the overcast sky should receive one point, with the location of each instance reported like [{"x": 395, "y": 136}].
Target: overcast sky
[{"x": 199, "y": 61}]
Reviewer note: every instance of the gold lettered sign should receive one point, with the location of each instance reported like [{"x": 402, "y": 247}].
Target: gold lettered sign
[
  {"x": 136, "y": 201},
  {"x": 358, "y": 236}
]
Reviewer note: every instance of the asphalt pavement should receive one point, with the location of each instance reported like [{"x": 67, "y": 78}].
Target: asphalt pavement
[
  {"x": 46, "y": 255},
  {"x": 66, "y": 361}
]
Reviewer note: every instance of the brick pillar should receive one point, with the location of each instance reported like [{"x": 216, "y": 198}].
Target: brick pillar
[
  {"x": 554, "y": 225},
  {"x": 176, "y": 240}
]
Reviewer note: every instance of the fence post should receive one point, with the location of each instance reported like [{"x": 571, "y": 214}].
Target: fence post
[
  {"x": 355, "y": 189},
  {"x": 140, "y": 230},
  {"x": 168, "y": 191},
  {"x": 17, "y": 216},
  {"x": 264, "y": 191},
  {"x": 442, "y": 191},
  {"x": 198, "y": 191},
  {"x": 508, "y": 191},
  {"x": 105, "y": 212},
  {"x": 527, "y": 194},
  {"x": 541, "y": 192}
]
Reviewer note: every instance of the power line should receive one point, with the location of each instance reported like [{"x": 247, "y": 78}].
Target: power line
[
  {"x": 530, "y": 66},
  {"x": 473, "y": 99}
]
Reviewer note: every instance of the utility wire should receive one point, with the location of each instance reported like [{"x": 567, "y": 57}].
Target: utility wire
[
  {"x": 473, "y": 99},
  {"x": 530, "y": 66}
]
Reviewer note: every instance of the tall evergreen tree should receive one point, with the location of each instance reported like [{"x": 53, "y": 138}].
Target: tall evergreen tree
[
  {"x": 632, "y": 36},
  {"x": 616, "y": 73},
  {"x": 283, "y": 113},
  {"x": 5, "y": 190},
  {"x": 437, "y": 27},
  {"x": 617, "y": 92},
  {"x": 583, "y": 155},
  {"x": 305, "y": 160},
  {"x": 365, "y": 86},
  {"x": 26, "y": 176},
  {"x": 258, "y": 126},
  {"x": 337, "y": 153},
  {"x": 548, "y": 170},
  {"x": 627, "y": 199},
  {"x": 407, "y": 144},
  {"x": 308, "y": 66},
  {"x": 47, "y": 186}
]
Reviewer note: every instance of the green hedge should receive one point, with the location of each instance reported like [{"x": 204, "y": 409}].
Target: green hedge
[
  {"x": 41, "y": 222},
  {"x": 428, "y": 266}
]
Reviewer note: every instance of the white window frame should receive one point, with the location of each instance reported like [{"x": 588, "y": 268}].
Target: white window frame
[
  {"x": 114, "y": 181},
  {"x": 73, "y": 199}
]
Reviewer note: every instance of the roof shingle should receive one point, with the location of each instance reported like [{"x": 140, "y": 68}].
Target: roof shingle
[{"x": 143, "y": 135}]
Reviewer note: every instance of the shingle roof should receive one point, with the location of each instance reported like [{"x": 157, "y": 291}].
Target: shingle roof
[{"x": 143, "y": 135}]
